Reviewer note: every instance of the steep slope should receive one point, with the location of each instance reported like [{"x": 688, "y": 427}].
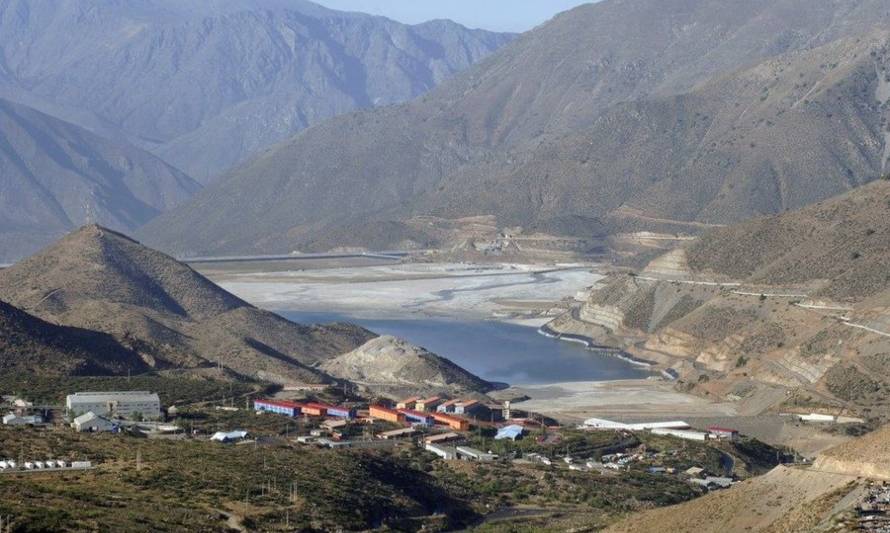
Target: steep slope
[
  {"x": 267, "y": 69},
  {"x": 785, "y": 499},
  {"x": 797, "y": 302},
  {"x": 30, "y": 345},
  {"x": 100, "y": 280},
  {"x": 390, "y": 365},
  {"x": 55, "y": 176},
  {"x": 570, "y": 120}
]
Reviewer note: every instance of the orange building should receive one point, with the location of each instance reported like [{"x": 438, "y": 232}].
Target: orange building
[
  {"x": 384, "y": 413},
  {"x": 313, "y": 409},
  {"x": 458, "y": 424}
]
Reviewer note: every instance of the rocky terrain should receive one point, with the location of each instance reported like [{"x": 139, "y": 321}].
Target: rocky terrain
[
  {"x": 611, "y": 119},
  {"x": 787, "y": 499},
  {"x": 387, "y": 365},
  {"x": 103, "y": 281},
  {"x": 795, "y": 303},
  {"x": 267, "y": 69},
  {"x": 30, "y": 345},
  {"x": 55, "y": 177}
]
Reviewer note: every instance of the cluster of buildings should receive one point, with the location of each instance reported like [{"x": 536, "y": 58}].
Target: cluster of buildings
[
  {"x": 295, "y": 409},
  {"x": 101, "y": 411}
]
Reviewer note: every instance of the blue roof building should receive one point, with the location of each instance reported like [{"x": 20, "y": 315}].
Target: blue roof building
[{"x": 511, "y": 432}]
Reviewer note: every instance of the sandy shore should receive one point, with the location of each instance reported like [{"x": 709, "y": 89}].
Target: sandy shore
[
  {"x": 525, "y": 294},
  {"x": 627, "y": 399}
]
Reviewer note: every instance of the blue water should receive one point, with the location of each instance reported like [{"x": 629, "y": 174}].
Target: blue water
[{"x": 495, "y": 351}]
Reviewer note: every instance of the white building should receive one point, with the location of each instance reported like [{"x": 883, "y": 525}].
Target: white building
[
  {"x": 13, "y": 419},
  {"x": 600, "y": 423},
  {"x": 93, "y": 423},
  {"x": 682, "y": 433},
  {"x": 124, "y": 404},
  {"x": 445, "y": 452}
]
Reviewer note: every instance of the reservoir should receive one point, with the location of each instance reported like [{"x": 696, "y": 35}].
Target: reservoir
[{"x": 495, "y": 351}]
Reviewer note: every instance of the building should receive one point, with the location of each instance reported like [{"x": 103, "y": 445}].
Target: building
[
  {"x": 123, "y": 404},
  {"x": 723, "y": 433},
  {"x": 13, "y": 419},
  {"x": 338, "y": 412},
  {"x": 445, "y": 452},
  {"x": 385, "y": 413},
  {"x": 455, "y": 423},
  {"x": 91, "y": 422},
  {"x": 681, "y": 433},
  {"x": 511, "y": 432},
  {"x": 599, "y": 423},
  {"x": 313, "y": 409},
  {"x": 331, "y": 425},
  {"x": 713, "y": 483},
  {"x": 228, "y": 436},
  {"x": 408, "y": 403},
  {"x": 280, "y": 407},
  {"x": 397, "y": 434},
  {"x": 472, "y": 454},
  {"x": 428, "y": 404},
  {"x": 442, "y": 437},
  {"x": 473, "y": 408},
  {"x": 446, "y": 407},
  {"x": 417, "y": 417}
]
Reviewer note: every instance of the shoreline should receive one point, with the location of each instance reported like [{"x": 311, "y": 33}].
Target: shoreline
[{"x": 592, "y": 346}]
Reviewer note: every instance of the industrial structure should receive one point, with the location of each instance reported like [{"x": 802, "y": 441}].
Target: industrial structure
[
  {"x": 123, "y": 404},
  {"x": 93, "y": 423}
]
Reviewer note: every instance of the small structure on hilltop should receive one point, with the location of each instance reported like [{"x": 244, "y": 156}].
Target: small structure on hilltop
[{"x": 124, "y": 404}]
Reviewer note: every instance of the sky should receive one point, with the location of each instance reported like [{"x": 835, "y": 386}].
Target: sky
[{"x": 495, "y": 15}]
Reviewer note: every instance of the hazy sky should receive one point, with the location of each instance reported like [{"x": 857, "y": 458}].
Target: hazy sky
[{"x": 497, "y": 15}]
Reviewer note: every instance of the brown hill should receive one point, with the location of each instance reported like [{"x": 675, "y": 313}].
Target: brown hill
[
  {"x": 30, "y": 345},
  {"x": 387, "y": 365},
  {"x": 608, "y": 109},
  {"x": 101, "y": 280}
]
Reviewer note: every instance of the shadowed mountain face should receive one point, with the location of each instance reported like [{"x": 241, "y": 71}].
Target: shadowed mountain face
[
  {"x": 100, "y": 280},
  {"x": 55, "y": 176},
  {"x": 204, "y": 84},
  {"x": 630, "y": 114},
  {"x": 28, "y": 344}
]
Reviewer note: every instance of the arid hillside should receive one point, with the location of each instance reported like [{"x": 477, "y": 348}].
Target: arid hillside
[
  {"x": 797, "y": 499},
  {"x": 796, "y": 304},
  {"x": 30, "y": 345},
  {"x": 387, "y": 365},
  {"x": 101, "y": 280},
  {"x": 612, "y": 115}
]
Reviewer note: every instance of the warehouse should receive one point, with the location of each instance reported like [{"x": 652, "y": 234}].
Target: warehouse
[
  {"x": 397, "y": 434},
  {"x": 723, "y": 433},
  {"x": 681, "y": 433},
  {"x": 124, "y": 404},
  {"x": 384, "y": 413},
  {"x": 442, "y": 437},
  {"x": 13, "y": 419},
  {"x": 445, "y": 452},
  {"x": 511, "y": 432},
  {"x": 280, "y": 407},
  {"x": 472, "y": 454},
  {"x": 417, "y": 417},
  {"x": 91, "y": 422}
]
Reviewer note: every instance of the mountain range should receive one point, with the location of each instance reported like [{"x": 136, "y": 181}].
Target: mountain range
[
  {"x": 616, "y": 116},
  {"x": 207, "y": 83},
  {"x": 55, "y": 176}
]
